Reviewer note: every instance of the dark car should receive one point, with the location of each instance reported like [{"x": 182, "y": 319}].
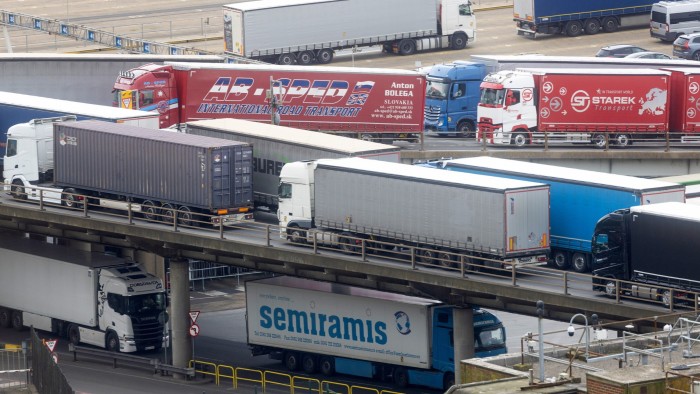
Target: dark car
[
  {"x": 619, "y": 50},
  {"x": 687, "y": 46}
]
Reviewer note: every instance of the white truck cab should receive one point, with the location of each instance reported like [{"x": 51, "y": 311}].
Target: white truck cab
[{"x": 507, "y": 110}]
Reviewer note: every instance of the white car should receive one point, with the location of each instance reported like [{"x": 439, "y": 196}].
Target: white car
[{"x": 648, "y": 55}]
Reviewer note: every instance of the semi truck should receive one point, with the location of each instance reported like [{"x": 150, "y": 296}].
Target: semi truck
[
  {"x": 650, "y": 248},
  {"x": 252, "y": 28},
  {"x": 377, "y": 335},
  {"x": 573, "y": 18},
  {"x": 578, "y": 198},
  {"x": 365, "y": 102},
  {"x": 343, "y": 202},
  {"x": 275, "y": 146},
  {"x": 599, "y": 107},
  {"x": 162, "y": 175},
  {"x": 87, "y": 297},
  {"x": 19, "y": 108}
]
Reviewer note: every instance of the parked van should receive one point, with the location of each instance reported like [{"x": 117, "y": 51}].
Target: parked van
[{"x": 670, "y": 19}]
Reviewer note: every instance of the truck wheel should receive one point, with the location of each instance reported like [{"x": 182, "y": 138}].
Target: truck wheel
[
  {"x": 367, "y": 137},
  {"x": 610, "y": 288},
  {"x": 610, "y": 24},
  {"x": 70, "y": 199},
  {"x": 305, "y": 58},
  {"x": 286, "y": 59},
  {"x": 185, "y": 217},
  {"x": 150, "y": 210},
  {"x": 466, "y": 129},
  {"x": 623, "y": 140},
  {"x": 309, "y": 363},
  {"x": 327, "y": 366},
  {"x": 5, "y": 318},
  {"x": 401, "y": 377},
  {"x": 573, "y": 28},
  {"x": 591, "y": 26},
  {"x": 448, "y": 381},
  {"x": 427, "y": 256},
  {"x": 459, "y": 41},
  {"x": 599, "y": 140},
  {"x": 167, "y": 213},
  {"x": 560, "y": 260},
  {"x": 17, "y": 322},
  {"x": 520, "y": 140},
  {"x": 17, "y": 190},
  {"x": 446, "y": 259},
  {"x": 73, "y": 334},
  {"x": 407, "y": 47},
  {"x": 296, "y": 235},
  {"x": 346, "y": 244},
  {"x": 112, "y": 342},
  {"x": 579, "y": 262},
  {"x": 324, "y": 56},
  {"x": 291, "y": 361}
]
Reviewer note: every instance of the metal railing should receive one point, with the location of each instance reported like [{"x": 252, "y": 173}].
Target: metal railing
[{"x": 131, "y": 360}]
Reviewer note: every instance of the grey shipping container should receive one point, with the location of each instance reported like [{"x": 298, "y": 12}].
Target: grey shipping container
[
  {"x": 200, "y": 172},
  {"x": 275, "y": 146},
  {"x": 499, "y": 217}
]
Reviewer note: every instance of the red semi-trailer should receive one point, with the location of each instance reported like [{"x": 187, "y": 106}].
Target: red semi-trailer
[
  {"x": 370, "y": 103},
  {"x": 574, "y": 106},
  {"x": 685, "y": 104}
]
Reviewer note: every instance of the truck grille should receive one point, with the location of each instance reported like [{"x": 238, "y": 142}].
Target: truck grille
[
  {"x": 147, "y": 332},
  {"x": 432, "y": 114}
]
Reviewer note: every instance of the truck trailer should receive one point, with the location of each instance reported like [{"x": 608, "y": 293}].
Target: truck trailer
[
  {"x": 252, "y": 28},
  {"x": 365, "y": 102},
  {"x": 651, "y": 248},
  {"x": 275, "y": 146},
  {"x": 573, "y": 18},
  {"x": 578, "y": 198},
  {"x": 599, "y": 107},
  {"x": 19, "y": 108},
  {"x": 164, "y": 175},
  {"x": 342, "y": 202},
  {"x": 377, "y": 335},
  {"x": 87, "y": 297}
]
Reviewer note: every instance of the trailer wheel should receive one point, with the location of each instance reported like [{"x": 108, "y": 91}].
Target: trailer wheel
[
  {"x": 5, "y": 318},
  {"x": 591, "y": 26},
  {"x": 610, "y": 24},
  {"x": 309, "y": 363},
  {"x": 185, "y": 217},
  {"x": 573, "y": 28},
  {"x": 560, "y": 259},
  {"x": 448, "y": 381},
  {"x": 427, "y": 256},
  {"x": 623, "y": 140},
  {"x": 369, "y": 137},
  {"x": 666, "y": 298},
  {"x": 579, "y": 262},
  {"x": 520, "y": 139},
  {"x": 70, "y": 199},
  {"x": 291, "y": 361},
  {"x": 407, "y": 47},
  {"x": 610, "y": 288},
  {"x": 446, "y": 259},
  {"x": 599, "y": 140},
  {"x": 305, "y": 58},
  {"x": 150, "y": 210},
  {"x": 401, "y": 377},
  {"x": 74, "y": 334},
  {"x": 112, "y": 342},
  {"x": 286, "y": 59},
  {"x": 17, "y": 322},
  {"x": 346, "y": 244},
  {"x": 167, "y": 213},
  {"x": 17, "y": 190},
  {"x": 327, "y": 366},
  {"x": 324, "y": 56},
  {"x": 459, "y": 41}
]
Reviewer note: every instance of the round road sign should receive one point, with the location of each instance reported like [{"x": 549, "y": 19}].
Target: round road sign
[{"x": 194, "y": 330}]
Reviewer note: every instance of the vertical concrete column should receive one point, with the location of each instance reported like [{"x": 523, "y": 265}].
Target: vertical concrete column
[
  {"x": 463, "y": 331},
  {"x": 180, "y": 313}
]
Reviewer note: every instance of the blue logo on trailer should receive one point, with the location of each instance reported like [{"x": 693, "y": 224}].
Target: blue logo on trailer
[{"x": 403, "y": 322}]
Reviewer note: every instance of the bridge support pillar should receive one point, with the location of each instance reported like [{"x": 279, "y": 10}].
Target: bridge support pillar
[
  {"x": 180, "y": 314},
  {"x": 463, "y": 331}
]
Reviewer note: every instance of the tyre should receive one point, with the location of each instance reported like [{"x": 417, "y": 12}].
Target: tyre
[
  {"x": 579, "y": 262},
  {"x": 623, "y": 140},
  {"x": 286, "y": 59},
  {"x": 448, "y": 381},
  {"x": 610, "y": 289},
  {"x": 327, "y": 366},
  {"x": 367, "y": 137},
  {"x": 346, "y": 244},
  {"x": 466, "y": 129},
  {"x": 599, "y": 140},
  {"x": 696, "y": 55},
  {"x": 309, "y": 363},
  {"x": 70, "y": 199},
  {"x": 666, "y": 298},
  {"x": 324, "y": 56},
  {"x": 573, "y": 28},
  {"x": 112, "y": 342},
  {"x": 446, "y": 260},
  {"x": 185, "y": 217},
  {"x": 520, "y": 139},
  {"x": 17, "y": 190},
  {"x": 296, "y": 235},
  {"x": 407, "y": 47},
  {"x": 459, "y": 41},
  {"x": 17, "y": 320},
  {"x": 560, "y": 259},
  {"x": 610, "y": 24},
  {"x": 305, "y": 58},
  {"x": 5, "y": 318},
  {"x": 291, "y": 361},
  {"x": 401, "y": 377},
  {"x": 591, "y": 26},
  {"x": 167, "y": 213},
  {"x": 427, "y": 256},
  {"x": 150, "y": 210},
  {"x": 73, "y": 334}
]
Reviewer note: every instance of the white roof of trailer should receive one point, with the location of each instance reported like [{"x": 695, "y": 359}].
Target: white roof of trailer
[
  {"x": 278, "y": 68},
  {"x": 547, "y": 172},
  {"x": 671, "y": 209},
  {"x": 686, "y": 179},
  {"x": 295, "y": 136},
  {"x": 595, "y": 71},
  {"x": 108, "y": 56},
  {"x": 431, "y": 174},
  {"x": 264, "y": 4},
  {"x": 685, "y": 70},
  {"x": 583, "y": 60},
  {"x": 72, "y": 107}
]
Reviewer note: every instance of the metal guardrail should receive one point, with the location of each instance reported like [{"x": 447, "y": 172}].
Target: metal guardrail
[{"x": 131, "y": 360}]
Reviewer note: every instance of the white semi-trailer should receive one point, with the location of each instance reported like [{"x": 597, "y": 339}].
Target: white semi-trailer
[{"x": 88, "y": 297}]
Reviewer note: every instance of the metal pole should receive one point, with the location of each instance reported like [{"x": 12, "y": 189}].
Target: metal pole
[{"x": 540, "y": 313}]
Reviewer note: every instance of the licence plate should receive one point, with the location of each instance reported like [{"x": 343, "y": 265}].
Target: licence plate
[
  {"x": 150, "y": 347},
  {"x": 676, "y": 48}
]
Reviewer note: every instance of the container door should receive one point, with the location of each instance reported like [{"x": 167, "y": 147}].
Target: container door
[
  {"x": 233, "y": 32},
  {"x": 221, "y": 177},
  {"x": 524, "y": 9},
  {"x": 243, "y": 178}
]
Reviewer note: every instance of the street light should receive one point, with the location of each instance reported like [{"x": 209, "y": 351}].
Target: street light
[{"x": 571, "y": 330}]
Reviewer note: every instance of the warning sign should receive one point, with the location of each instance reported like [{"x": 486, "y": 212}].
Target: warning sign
[
  {"x": 51, "y": 344},
  {"x": 194, "y": 315}
]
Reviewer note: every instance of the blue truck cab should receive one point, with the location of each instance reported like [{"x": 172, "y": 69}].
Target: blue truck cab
[{"x": 452, "y": 95}]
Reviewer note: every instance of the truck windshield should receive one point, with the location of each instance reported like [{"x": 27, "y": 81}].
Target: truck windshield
[
  {"x": 149, "y": 304},
  {"x": 285, "y": 190},
  {"x": 437, "y": 90},
  {"x": 492, "y": 97},
  {"x": 490, "y": 338}
]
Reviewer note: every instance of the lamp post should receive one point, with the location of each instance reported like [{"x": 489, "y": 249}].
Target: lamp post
[
  {"x": 571, "y": 330},
  {"x": 540, "y": 314}
]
